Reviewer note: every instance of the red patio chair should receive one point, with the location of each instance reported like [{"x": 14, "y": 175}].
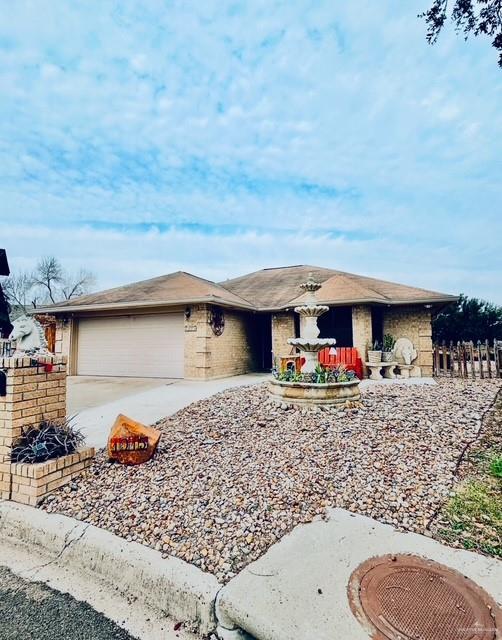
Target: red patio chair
[{"x": 347, "y": 356}]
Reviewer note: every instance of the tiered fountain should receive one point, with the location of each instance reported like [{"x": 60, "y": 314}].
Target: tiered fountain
[{"x": 306, "y": 390}]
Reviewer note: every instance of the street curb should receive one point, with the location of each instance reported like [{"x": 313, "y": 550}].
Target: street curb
[{"x": 170, "y": 586}]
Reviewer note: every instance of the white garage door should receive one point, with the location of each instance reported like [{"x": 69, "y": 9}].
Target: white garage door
[{"x": 148, "y": 346}]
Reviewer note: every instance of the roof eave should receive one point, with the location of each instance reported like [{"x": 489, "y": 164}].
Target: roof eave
[
  {"x": 75, "y": 309},
  {"x": 431, "y": 301}
]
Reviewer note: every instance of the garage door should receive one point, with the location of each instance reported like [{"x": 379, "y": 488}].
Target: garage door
[{"x": 148, "y": 346}]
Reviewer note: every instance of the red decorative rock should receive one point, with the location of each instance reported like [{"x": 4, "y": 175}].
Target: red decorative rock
[{"x": 131, "y": 442}]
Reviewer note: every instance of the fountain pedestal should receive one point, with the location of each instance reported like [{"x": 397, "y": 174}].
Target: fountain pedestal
[{"x": 309, "y": 342}]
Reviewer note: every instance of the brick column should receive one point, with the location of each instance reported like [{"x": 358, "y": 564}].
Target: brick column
[
  {"x": 362, "y": 333},
  {"x": 33, "y": 393},
  {"x": 197, "y": 344},
  {"x": 283, "y": 328}
]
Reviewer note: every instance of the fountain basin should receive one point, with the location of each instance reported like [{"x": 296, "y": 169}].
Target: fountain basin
[
  {"x": 315, "y": 393},
  {"x": 311, "y": 310},
  {"x": 312, "y": 344}
]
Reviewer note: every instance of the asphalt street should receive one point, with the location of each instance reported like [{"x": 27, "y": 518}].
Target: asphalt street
[{"x": 31, "y": 610}]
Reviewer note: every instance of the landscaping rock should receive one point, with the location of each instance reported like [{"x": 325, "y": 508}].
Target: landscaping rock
[
  {"x": 235, "y": 472},
  {"x": 131, "y": 442}
]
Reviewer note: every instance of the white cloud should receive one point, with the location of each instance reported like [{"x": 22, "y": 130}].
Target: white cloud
[
  {"x": 119, "y": 257},
  {"x": 269, "y": 114}
]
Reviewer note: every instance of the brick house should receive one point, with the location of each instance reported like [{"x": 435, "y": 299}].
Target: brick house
[{"x": 182, "y": 326}]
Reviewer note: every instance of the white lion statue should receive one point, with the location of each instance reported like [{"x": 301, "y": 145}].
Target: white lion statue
[
  {"x": 404, "y": 351},
  {"x": 29, "y": 336}
]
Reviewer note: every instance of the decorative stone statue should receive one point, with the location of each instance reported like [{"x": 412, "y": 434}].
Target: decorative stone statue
[
  {"x": 404, "y": 351},
  {"x": 29, "y": 336}
]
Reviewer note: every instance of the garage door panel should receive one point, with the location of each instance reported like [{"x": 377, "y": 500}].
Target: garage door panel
[{"x": 140, "y": 346}]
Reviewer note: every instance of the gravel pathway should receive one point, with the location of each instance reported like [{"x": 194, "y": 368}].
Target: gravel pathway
[{"x": 235, "y": 472}]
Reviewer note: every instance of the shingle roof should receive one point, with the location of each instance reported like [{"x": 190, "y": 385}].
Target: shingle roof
[
  {"x": 268, "y": 289},
  {"x": 175, "y": 288},
  {"x": 276, "y": 288}
]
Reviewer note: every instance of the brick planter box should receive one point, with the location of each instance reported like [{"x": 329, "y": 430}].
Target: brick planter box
[{"x": 33, "y": 482}]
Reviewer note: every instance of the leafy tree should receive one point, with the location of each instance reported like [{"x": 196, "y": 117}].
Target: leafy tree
[
  {"x": 49, "y": 283},
  {"x": 468, "y": 319},
  {"x": 477, "y": 17}
]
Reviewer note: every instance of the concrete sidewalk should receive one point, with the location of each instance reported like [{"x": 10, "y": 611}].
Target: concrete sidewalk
[
  {"x": 298, "y": 589},
  {"x": 167, "y": 397}
]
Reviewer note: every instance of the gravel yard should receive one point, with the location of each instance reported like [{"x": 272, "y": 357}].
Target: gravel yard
[{"x": 235, "y": 472}]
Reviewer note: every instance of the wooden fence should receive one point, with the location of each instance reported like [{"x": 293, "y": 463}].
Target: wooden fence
[
  {"x": 7, "y": 348},
  {"x": 468, "y": 359}
]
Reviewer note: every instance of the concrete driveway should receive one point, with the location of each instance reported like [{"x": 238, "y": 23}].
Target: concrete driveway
[
  {"x": 96, "y": 402},
  {"x": 86, "y": 392}
]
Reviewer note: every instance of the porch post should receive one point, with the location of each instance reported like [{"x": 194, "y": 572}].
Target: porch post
[{"x": 361, "y": 331}]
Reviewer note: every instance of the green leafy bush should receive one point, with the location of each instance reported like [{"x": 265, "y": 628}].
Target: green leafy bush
[
  {"x": 388, "y": 342},
  {"x": 496, "y": 467}
]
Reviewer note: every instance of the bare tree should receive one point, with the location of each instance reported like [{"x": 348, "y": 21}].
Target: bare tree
[
  {"x": 48, "y": 276},
  {"x": 77, "y": 284},
  {"x": 19, "y": 291},
  {"x": 48, "y": 283}
]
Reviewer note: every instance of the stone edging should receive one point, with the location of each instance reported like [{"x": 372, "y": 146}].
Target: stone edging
[{"x": 171, "y": 586}]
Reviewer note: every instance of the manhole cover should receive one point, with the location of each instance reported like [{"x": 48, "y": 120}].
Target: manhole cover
[{"x": 405, "y": 597}]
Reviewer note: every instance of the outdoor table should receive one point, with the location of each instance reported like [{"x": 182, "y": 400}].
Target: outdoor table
[{"x": 376, "y": 367}]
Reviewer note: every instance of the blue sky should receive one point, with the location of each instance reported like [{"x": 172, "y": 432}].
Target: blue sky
[{"x": 138, "y": 138}]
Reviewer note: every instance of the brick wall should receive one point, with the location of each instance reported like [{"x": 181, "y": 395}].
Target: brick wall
[
  {"x": 283, "y": 328},
  {"x": 33, "y": 393},
  {"x": 412, "y": 322},
  {"x": 31, "y": 483},
  {"x": 209, "y": 356}
]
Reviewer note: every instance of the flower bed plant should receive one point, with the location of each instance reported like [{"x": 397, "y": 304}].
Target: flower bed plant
[
  {"x": 46, "y": 441},
  {"x": 321, "y": 375},
  {"x": 389, "y": 343}
]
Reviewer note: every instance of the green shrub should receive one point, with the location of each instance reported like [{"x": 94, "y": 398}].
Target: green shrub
[{"x": 496, "y": 467}]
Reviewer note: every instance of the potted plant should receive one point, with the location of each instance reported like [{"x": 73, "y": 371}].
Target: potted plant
[
  {"x": 375, "y": 353},
  {"x": 388, "y": 347}
]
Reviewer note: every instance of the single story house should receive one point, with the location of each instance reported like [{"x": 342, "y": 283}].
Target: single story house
[{"x": 182, "y": 326}]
